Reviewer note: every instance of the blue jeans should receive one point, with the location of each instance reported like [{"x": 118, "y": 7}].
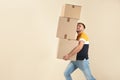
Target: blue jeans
[{"x": 83, "y": 65}]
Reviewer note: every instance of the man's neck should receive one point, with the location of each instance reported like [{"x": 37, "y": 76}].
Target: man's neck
[{"x": 80, "y": 32}]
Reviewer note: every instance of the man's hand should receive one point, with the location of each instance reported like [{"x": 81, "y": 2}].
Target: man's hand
[{"x": 66, "y": 57}]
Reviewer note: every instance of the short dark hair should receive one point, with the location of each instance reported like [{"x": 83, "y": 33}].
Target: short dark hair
[{"x": 81, "y": 24}]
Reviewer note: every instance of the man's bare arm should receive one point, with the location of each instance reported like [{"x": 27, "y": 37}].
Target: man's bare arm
[{"x": 75, "y": 50}]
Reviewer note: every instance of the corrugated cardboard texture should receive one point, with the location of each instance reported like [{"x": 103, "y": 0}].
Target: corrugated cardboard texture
[
  {"x": 72, "y": 11},
  {"x": 67, "y": 28},
  {"x": 65, "y": 46}
]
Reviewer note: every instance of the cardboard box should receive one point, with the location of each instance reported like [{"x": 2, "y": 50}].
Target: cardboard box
[
  {"x": 71, "y": 11},
  {"x": 67, "y": 28},
  {"x": 66, "y": 46}
]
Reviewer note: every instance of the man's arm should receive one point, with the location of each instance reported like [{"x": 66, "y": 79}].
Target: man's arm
[{"x": 75, "y": 50}]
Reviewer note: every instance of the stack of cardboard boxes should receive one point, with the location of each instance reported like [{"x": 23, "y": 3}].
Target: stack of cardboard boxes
[{"x": 66, "y": 31}]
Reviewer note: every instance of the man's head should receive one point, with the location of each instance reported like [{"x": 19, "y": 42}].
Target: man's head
[{"x": 80, "y": 27}]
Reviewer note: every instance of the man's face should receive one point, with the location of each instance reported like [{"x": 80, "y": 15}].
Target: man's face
[{"x": 79, "y": 28}]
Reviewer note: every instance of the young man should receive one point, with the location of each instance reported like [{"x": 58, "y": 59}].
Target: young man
[{"x": 82, "y": 55}]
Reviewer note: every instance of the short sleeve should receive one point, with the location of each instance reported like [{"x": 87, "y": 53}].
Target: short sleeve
[{"x": 83, "y": 37}]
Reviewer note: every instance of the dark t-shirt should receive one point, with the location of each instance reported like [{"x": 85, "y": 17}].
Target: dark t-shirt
[{"x": 83, "y": 53}]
